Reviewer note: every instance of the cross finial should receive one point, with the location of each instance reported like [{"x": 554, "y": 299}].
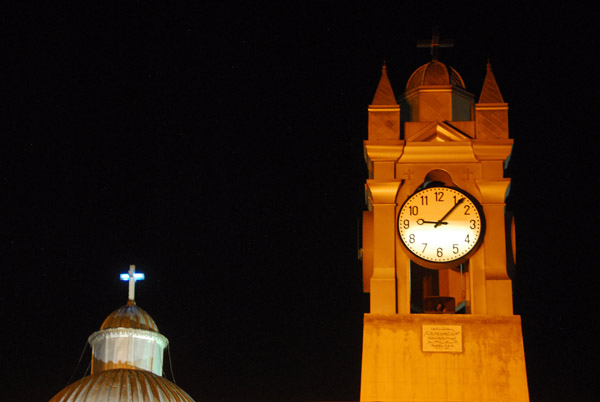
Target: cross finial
[
  {"x": 435, "y": 43},
  {"x": 132, "y": 277}
]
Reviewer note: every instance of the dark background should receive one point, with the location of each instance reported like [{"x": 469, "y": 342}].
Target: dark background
[{"x": 219, "y": 149}]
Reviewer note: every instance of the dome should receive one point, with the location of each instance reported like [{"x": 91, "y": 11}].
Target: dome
[
  {"x": 130, "y": 316},
  {"x": 434, "y": 73},
  {"x": 127, "y": 359},
  {"x": 122, "y": 385}
]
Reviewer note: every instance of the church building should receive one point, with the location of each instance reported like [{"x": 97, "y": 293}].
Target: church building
[{"x": 127, "y": 359}]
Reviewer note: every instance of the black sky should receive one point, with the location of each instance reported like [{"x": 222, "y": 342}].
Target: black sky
[{"x": 219, "y": 148}]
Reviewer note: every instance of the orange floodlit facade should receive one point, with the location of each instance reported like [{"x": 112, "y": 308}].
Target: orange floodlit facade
[{"x": 440, "y": 328}]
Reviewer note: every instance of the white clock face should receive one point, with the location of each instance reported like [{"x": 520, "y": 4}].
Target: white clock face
[{"x": 441, "y": 224}]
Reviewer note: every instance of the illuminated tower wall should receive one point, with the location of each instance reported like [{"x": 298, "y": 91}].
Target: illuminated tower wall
[{"x": 436, "y": 133}]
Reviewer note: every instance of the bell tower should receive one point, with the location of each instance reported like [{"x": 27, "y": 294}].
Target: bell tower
[{"x": 437, "y": 249}]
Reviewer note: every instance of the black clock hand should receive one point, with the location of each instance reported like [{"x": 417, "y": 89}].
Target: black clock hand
[
  {"x": 421, "y": 221},
  {"x": 440, "y": 222}
]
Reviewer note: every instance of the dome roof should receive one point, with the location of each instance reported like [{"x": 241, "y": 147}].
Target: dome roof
[
  {"x": 129, "y": 316},
  {"x": 122, "y": 385},
  {"x": 434, "y": 73}
]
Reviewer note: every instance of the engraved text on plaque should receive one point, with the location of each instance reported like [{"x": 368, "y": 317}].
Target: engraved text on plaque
[{"x": 442, "y": 338}]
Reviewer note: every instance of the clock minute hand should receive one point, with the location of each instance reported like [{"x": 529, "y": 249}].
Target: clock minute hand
[{"x": 441, "y": 221}]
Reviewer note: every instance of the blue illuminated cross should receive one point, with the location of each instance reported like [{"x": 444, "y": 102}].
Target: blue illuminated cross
[{"x": 132, "y": 277}]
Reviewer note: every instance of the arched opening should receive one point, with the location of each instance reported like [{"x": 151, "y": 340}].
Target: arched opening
[{"x": 444, "y": 291}]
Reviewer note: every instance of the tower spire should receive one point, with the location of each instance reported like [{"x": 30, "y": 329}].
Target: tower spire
[
  {"x": 384, "y": 95},
  {"x": 490, "y": 93},
  {"x": 384, "y": 111}
]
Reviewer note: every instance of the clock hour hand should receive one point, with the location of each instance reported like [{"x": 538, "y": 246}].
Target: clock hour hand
[
  {"x": 421, "y": 221},
  {"x": 441, "y": 221}
]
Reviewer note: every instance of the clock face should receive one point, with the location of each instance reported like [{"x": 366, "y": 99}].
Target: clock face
[{"x": 441, "y": 225}]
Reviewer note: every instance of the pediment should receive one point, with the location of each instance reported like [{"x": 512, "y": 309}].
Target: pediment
[{"x": 438, "y": 131}]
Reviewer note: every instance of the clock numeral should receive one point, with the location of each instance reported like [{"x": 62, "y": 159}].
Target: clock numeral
[
  {"x": 411, "y": 238},
  {"x": 405, "y": 223},
  {"x": 440, "y": 252},
  {"x": 467, "y": 208},
  {"x": 455, "y": 248},
  {"x": 467, "y": 239},
  {"x": 424, "y": 247},
  {"x": 423, "y": 200},
  {"x": 414, "y": 210},
  {"x": 439, "y": 196},
  {"x": 473, "y": 224}
]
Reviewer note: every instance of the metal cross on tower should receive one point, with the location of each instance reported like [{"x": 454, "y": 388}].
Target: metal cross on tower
[
  {"x": 132, "y": 277},
  {"x": 435, "y": 43}
]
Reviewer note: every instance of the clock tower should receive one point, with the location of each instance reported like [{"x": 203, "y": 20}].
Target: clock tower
[{"x": 438, "y": 244}]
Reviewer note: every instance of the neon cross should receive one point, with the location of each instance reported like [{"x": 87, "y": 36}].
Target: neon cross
[{"x": 132, "y": 277}]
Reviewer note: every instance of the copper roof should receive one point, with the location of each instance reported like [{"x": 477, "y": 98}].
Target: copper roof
[
  {"x": 122, "y": 385},
  {"x": 130, "y": 316},
  {"x": 434, "y": 73}
]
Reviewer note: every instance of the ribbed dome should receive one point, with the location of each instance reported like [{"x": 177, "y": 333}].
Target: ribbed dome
[
  {"x": 130, "y": 316},
  {"x": 122, "y": 385},
  {"x": 434, "y": 73}
]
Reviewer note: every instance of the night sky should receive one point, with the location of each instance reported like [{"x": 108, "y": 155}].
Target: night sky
[{"x": 219, "y": 149}]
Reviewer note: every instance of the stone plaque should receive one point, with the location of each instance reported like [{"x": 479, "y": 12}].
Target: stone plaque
[{"x": 442, "y": 338}]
